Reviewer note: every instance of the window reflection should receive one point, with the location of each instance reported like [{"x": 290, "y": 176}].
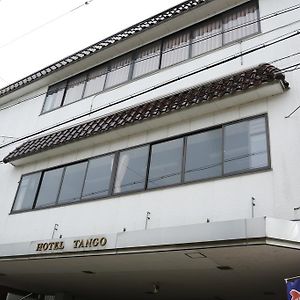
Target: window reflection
[
  {"x": 165, "y": 163},
  {"x": 98, "y": 177},
  {"x": 131, "y": 172}
]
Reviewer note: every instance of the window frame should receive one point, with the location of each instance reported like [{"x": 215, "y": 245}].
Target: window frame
[
  {"x": 116, "y": 154},
  {"x": 132, "y": 54}
]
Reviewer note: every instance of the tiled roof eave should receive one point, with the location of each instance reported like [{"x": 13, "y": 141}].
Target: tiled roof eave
[
  {"x": 216, "y": 90},
  {"x": 105, "y": 43}
]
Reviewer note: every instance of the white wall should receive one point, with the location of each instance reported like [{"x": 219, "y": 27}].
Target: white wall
[{"x": 276, "y": 191}]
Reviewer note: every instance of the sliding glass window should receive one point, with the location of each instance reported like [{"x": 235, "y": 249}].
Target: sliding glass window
[
  {"x": 98, "y": 177},
  {"x": 74, "y": 90},
  {"x": 229, "y": 149},
  {"x": 131, "y": 172},
  {"x": 204, "y": 155},
  {"x": 49, "y": 187},
  {"x": 72, "y": 183},
  {"x": 175, "y": 49},
  {"x": 245, "y": 146},
  {"x": 240, "y": 22},
  {"x": 54, "y": 97},
  {"x": 95, "y": 81},
  {"x": 119, "y": 71},
  {"x": 165, "y": 163},
  {"x": 27, "y": 191},
  {"x": 147, "y": 60},
  {"x": 206, "y": 37},
  {"x": 227, "y": 27}
]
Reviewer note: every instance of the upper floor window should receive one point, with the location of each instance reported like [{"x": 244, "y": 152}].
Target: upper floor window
[
  {"x": 74, "y": 89},
  {"x": 240, "y": 22},
  {"x": 175, "y": 49},
  {"x": 205, "y": 36},
  {"x": 119, "y": 71},
  {"x": 228, "y": 149},
  {"x": 146, "y": 60}
]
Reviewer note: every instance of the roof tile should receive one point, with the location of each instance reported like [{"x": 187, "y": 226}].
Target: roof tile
[{"x": 232, "y": 84}]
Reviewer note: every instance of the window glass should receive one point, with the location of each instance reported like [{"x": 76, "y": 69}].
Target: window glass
[
  {"x": 204, "y": 155},
  {"x": 175, "y": 49},
  {"x": 131, "y": 172},
  {"x": 74, "y": 88},
  {"x": 98, "y": 177},
  {"x": 27, "y": 191},
  {"x": 165, "y": 163},
  {"x": 206, "y": 37},
  {"x": 234, "y": 22},
  {"x": 119, "y": 71},
  {"x": 147, "y": 60},
  {"x": 54, "y": 96},
  {"x": 95, "y": 81},
  {"x": 72, "y": 183},
  {"x": 245, "y": 146},
  {"x": 49, "y": 187}
]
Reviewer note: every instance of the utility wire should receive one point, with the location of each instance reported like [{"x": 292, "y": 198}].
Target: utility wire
[
  {"x": 45, "y": 24},
  {"x": 186, "y": 75},
  {"x": 271, "y": 15}
]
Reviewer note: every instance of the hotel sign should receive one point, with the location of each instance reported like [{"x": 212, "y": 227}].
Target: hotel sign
[{"x": 91, "y": 243}]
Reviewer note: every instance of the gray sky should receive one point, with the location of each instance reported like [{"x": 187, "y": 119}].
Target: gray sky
[{"x": 36, "y": 33}]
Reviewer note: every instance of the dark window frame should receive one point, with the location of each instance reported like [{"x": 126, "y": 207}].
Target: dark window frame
[
  {"x": 132, "y": 54},
  {"x": 116, "y": 154}
]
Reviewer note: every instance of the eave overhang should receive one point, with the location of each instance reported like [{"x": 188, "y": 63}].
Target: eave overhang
[
  {"x": 176, "y": 18},
  {"x": 241, "y": 232},
  {"x": 261, "y": 81}
]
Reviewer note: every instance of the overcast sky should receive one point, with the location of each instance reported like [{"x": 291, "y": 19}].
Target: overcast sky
[{"x": 36, "y": 33}]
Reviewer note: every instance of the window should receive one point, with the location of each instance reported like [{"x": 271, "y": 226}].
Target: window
[
  {"x": 228, "y": 149},
  {"x": 245, "y": 146},
  {"x": 165, "y": 163},
  {"x": 234, "y": 23},
  {"x": 72, "y": 183},
  {"x": 27, "y": 191},
  {"x": 205, "y": 36},
  {"x": 119, "y": 71},
  {"x": 147, "y": 60},
  {"x": 54, "y": 96},
  {"x": 74, "y": 89},
  {"x": 175, "y": 49},
  {"x": 204, "y": 155},
  {"x": 98, "y": 177},
  {"x": 95, "y": 81},
  {"x": 131, "y": 172},
  {"x": 49, "y": 187}
]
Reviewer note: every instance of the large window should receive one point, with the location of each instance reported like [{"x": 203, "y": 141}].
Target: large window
[
  {"x": 205, "y": 36},
  {"x": 97, "y": 181},
  {"x": 131, "y": 172},
  {"x": 74, "y": 89},
  {"x": 245, "y": 146},
  {"x": 146, "y": 60},
  {"x": 72, "y": 183},
  {"x": 27, "y": 191},
  {"x": 49, "y": 187},
  {"x": 204, "y": 155},
  {"x": 54, "y": 96},
  {"x": 119, "y": 71},
  {"x": 175, "y": 49},
  {"x": 95, "y": 81},
  {"x": 228, "y": 149},
  {"x": 240, "y": 22},
  {"x": 166, "y": 163}
]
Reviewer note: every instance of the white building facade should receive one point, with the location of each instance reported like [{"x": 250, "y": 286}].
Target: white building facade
[{"x": 160, "y": 162}]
